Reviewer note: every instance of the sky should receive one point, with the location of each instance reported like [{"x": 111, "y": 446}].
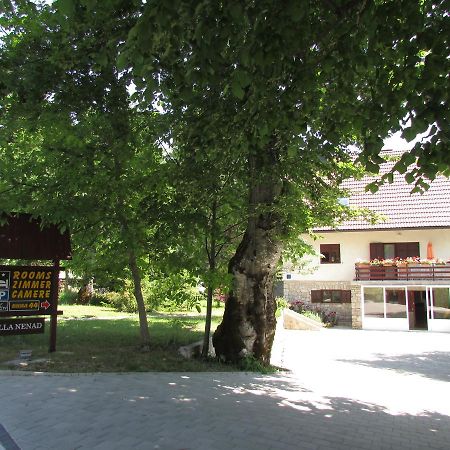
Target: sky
[{"x": 395, "y": 142}]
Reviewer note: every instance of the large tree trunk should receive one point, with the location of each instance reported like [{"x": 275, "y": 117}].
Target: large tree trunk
[{"x": 248, "y": 325}]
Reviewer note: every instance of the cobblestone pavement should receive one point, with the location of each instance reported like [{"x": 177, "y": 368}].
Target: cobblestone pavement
[{"x": 345, "y": 390}]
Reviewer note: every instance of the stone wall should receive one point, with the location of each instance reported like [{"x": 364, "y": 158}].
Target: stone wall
[
  {"x": 347, "y": 313},
  {"x": 356, "y": 307}
]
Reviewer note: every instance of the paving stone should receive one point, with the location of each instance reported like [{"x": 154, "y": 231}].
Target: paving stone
[{"x": 347, "y": 389}]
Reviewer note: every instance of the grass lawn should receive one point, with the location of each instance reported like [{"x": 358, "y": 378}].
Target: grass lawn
[{"x": 99, "y": 339}]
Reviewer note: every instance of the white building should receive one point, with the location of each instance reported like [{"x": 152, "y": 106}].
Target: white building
[{"x": 400, "y": 293}]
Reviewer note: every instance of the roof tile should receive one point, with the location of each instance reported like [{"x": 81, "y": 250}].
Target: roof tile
[{"x": 397, "y": 205}]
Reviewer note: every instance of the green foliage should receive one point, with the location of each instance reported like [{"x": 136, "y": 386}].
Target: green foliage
[
  {"x": 68, "y": 297},
  {"x": 251, "y": 364},
  {"x": 315, "y": 312},
  {"x": 75, "y": 151},
  {"x": 282, "y": 303},
  {"x": 174, "y": 292},
  {"x": 312, "y": 315},
  {"x": 121, "y": 301}
]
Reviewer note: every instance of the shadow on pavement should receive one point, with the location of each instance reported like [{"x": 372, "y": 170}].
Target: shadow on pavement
[
  {"x": 433, "y": 365},
  {"x": 214, "y": 411}
]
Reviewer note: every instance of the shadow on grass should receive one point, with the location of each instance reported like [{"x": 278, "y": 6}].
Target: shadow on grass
[{"x": 106, "y": 345}]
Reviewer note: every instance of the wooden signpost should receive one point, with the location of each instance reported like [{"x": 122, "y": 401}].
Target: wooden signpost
[{"x": 30, "y": 290}]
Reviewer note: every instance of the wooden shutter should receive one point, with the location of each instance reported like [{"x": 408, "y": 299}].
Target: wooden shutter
[
  {"x": 346, "y": 296},
  {"x": 316, "y": 296},
  {"x": 406, "y": 249},
  {"x": 413, "y": 249},
  {"x": 376, "y": 250}
]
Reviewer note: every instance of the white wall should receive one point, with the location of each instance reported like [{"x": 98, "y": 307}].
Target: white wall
[{"x": 356, "y": 245}]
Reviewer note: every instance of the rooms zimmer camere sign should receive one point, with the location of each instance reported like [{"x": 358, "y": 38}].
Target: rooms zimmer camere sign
[{"x": 27, "y": 289}]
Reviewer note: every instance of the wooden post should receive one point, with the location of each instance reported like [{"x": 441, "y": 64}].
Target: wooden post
[{"x": 54, "y": 313}]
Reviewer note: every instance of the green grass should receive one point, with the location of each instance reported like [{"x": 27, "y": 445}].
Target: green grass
[
  {"x": 87, "y": 311},
  {"x": 98, "y": 339}
]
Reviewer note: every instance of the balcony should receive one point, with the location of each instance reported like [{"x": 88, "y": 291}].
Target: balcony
[{"x": 407, "y": 272}]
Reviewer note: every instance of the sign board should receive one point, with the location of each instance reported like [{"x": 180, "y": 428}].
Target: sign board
[
  {"x": 33, "y": 290},
  {"x": 21, "y": 326},
  {"x": 27, "y": 289},
  {"x": 22, "y": 237}
]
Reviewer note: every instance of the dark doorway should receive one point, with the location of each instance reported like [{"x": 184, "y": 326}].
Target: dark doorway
[{"x": 417, "y": 305}]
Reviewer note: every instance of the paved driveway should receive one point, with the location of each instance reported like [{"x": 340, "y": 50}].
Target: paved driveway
[{"x": 346, "y": 390}]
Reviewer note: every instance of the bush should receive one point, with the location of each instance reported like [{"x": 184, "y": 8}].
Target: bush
[
  {"x": 68, "y": 297},
  {"x": 174, "y": 292},
  {"x": 312, "y": 315},
  {"x": 123, "y": 300},
  {"x": 220, "y": 297},
  {"x": 315, "y": 312}
]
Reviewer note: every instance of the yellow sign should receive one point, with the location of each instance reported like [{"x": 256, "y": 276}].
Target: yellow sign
[{"x": 26, "y": 289}]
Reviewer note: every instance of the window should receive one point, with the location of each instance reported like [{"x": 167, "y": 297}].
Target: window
[
  {"x": 394, "y": 250},
  {"x": 373, "y": 302},
  {"x": 331, "y": 296},
  {"x": 330, "y": 253},
  {"x": 395, "y": 303},
  {"x": 441, "y": 303}
]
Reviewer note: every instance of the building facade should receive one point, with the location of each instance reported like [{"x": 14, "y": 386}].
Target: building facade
[{"x": 390, "y": 275}]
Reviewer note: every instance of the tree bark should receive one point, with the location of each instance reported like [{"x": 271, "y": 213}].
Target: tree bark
[
  {"x": 143, "y": 324},
  {"x": 248, "y": 325},
  {"x": 86, "y": 292},
  {"x": 206, "y": 336},
  {"x": 212, "y": 269}
]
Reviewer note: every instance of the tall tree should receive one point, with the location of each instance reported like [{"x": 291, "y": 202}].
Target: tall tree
[{"x": 287, "y": 86}]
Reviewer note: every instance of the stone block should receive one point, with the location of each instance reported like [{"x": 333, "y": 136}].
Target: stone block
[
  {"x": 295, "y": 321},
  {"x": 194, "y": 350}
]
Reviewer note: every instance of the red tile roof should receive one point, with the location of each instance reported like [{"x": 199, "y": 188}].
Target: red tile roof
[{"x": 397, "y": 205}]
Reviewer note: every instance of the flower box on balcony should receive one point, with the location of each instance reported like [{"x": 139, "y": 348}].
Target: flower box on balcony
[{"x": 402, "y": 269}]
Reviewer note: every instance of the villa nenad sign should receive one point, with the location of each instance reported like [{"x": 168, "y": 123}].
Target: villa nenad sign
[
  {"x": 29, "y": 291},
  {"x": 22, "y": 326}
]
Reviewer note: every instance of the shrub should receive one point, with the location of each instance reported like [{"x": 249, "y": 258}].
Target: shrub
[
  {"x": 220, "y": 297},
  {"x": 312, "y": 315},
  {"x": 174, "y": 292},
  {"x": 68, "y": 297},
  {"x": 171, "y": 293},
  {"x": 121, "y": 301},
  {"x": 315, "y": 312}
]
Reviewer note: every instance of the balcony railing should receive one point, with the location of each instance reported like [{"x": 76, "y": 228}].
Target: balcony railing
[{"x": 402, "y": 273}]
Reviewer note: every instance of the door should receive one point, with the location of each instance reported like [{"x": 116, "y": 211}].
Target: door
[{"x": 418, "y": 307}]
